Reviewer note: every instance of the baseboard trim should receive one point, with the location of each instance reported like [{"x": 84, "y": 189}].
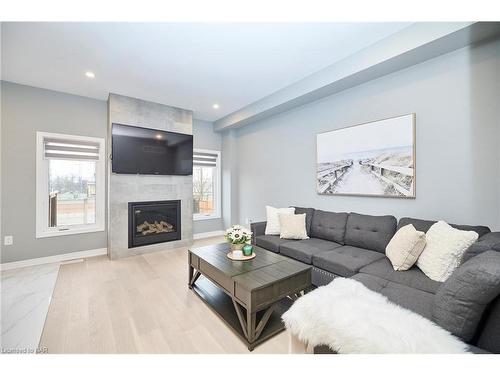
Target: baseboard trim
[
  {"x": 54, "y": 259},
  {"x": 199, "y": 236}
]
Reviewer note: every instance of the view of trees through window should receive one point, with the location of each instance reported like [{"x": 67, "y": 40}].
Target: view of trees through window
[
  {"x": 203, "y": 190},
  {"x": 71, "y": 192}
]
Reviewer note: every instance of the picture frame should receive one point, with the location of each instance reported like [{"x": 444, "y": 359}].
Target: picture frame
[{"x": 375, "y": 159}]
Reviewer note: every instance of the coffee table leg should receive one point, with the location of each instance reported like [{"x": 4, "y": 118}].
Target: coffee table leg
[
  {"x": 251, "y": 317},
  {"x": 249, "y": 326},
  {"x": 190, "y": 276},
  {"x": 193, "y": 276}
]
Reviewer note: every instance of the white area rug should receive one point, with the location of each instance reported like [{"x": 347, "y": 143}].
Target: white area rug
[
  {"x": 350, "y": 318},
  {"x": 26, "y": 295}
]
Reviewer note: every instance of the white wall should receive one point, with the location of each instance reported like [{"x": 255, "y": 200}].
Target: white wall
[
  {"x": 456, "y": 100},
  {"x": 26, "y": 110},
  {"x": 206, "y": 138}
]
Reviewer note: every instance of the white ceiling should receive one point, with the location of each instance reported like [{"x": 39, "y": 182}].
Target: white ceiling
[{"x": 190, "y": 66}]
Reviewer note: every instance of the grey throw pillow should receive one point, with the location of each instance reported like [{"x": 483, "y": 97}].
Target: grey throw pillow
[{"x": 460, "y": 302}]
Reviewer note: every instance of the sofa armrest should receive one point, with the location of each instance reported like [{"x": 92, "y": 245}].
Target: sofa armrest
[
  {"x": 258, "y": 229},
  {"x": 490, "y": 241}
]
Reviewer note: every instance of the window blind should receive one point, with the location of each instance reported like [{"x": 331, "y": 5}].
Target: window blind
[
  {"x": 60, "y": 148},
  {"x": 204, "y": 159}
]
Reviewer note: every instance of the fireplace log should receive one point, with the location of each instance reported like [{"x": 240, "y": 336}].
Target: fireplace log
[
  {"x": 169, "y": 227},
  {"x": 156, "y": 227}
]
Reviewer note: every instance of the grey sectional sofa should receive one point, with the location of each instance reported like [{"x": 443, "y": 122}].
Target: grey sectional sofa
[{"x": 353, "y": 245}]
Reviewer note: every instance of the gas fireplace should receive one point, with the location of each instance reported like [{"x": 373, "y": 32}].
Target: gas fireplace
[{"x": 153, "y": 222}]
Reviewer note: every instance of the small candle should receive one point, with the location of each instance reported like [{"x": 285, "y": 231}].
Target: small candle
[{"x": 247, "y": 250}]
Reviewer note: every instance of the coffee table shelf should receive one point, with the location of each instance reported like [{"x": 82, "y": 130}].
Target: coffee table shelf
[{"x": 222, "y": 305}]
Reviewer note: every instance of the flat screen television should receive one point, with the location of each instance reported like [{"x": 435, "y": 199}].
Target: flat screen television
[{"x": 138, "y": 150}]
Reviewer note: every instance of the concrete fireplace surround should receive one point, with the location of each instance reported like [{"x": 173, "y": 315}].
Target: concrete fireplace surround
[{"x": 124, "y": 188}]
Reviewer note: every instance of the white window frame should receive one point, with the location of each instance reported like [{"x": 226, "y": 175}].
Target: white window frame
[
  {"x": 217, "y": 189},
  {"x": 42, "y": 190}
]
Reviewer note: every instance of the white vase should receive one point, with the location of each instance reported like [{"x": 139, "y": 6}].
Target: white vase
[
  {"x": 237, "y": 250},
  {"x": 237, "y": 247}
]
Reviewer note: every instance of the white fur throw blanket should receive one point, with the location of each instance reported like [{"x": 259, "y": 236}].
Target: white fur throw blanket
[{"x": 350, "y": 318}]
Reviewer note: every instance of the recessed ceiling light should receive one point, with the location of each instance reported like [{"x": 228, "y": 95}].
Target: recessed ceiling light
[
  {"x": 90, "y": 74},
  {"x": 215, "y": 106},
  {"x": 158, "y": 136}
]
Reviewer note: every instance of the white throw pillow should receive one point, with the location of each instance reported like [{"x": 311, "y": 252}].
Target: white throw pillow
[
  {"x": 273, "y": 220},
  {"x": 405, "y": 247},
  {"x": 444, "y": 250},
  {"x": 293, "y": 227}
]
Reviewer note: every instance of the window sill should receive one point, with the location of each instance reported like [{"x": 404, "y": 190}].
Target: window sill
[
  {"x": 46, "y": 234},
  {"x": 208, "y": 217}
]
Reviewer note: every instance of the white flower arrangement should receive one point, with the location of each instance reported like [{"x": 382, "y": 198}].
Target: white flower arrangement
[{"x": 238, "y": 235}]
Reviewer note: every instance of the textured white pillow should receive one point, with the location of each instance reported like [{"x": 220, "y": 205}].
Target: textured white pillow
[
  {"x": 273, "y": 220},
  {"x": 405, "y": 247},
  {"x": 445, "y": 248},
  {"x": 293, "y": 227}
]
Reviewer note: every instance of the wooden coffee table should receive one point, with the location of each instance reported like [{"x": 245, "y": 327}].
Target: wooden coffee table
[{"x": 250, "y": 296}]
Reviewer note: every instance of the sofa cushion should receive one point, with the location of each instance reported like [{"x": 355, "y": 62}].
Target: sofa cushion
[
  {"x": 444, "y": 250},
  {"x": 293, "y": 227},
  {"x": 273, "y": 220},
  {"x": 412, "y": 299},
  {"x": 270, "y": 242},
  {"x": 346, "y": 260},
  {"x": 303, "y": 250},
  {"x": 329, "y": 225},
  {"x": 424, "y": 225},
  {"x": 369, "y": 232},
  {"x": 490, "y": 241},
  {"x": 463, "y": 298},
  {"x": 413, "y": 278},
  {"x": 309, "y": 215},
  {"x": 405, "y": 247}
]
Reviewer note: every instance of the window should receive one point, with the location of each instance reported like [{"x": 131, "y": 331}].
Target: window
[
  {"x": 206, "y": 185},
  {"x": 69, "y": 184}
]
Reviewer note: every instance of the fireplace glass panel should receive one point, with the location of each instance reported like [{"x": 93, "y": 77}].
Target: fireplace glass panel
[
  {"x": 156, "y": 220},
  {"x": 153, "y": 222}
]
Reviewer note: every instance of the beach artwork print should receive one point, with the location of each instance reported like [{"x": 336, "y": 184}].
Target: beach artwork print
[{"x": 372, "y": 159}]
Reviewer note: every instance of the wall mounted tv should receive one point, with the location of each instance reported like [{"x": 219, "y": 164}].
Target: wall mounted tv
[{"x": 138, "y": 150}]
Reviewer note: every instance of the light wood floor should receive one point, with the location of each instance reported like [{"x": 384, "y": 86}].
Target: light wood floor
[{"x": 139, "y": 304}]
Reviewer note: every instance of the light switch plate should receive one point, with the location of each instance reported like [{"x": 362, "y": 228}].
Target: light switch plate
[{"x": 8, "y": 240}]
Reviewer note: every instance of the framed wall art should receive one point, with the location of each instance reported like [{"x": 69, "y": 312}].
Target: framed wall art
[{"x": 372, "y": 159}]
